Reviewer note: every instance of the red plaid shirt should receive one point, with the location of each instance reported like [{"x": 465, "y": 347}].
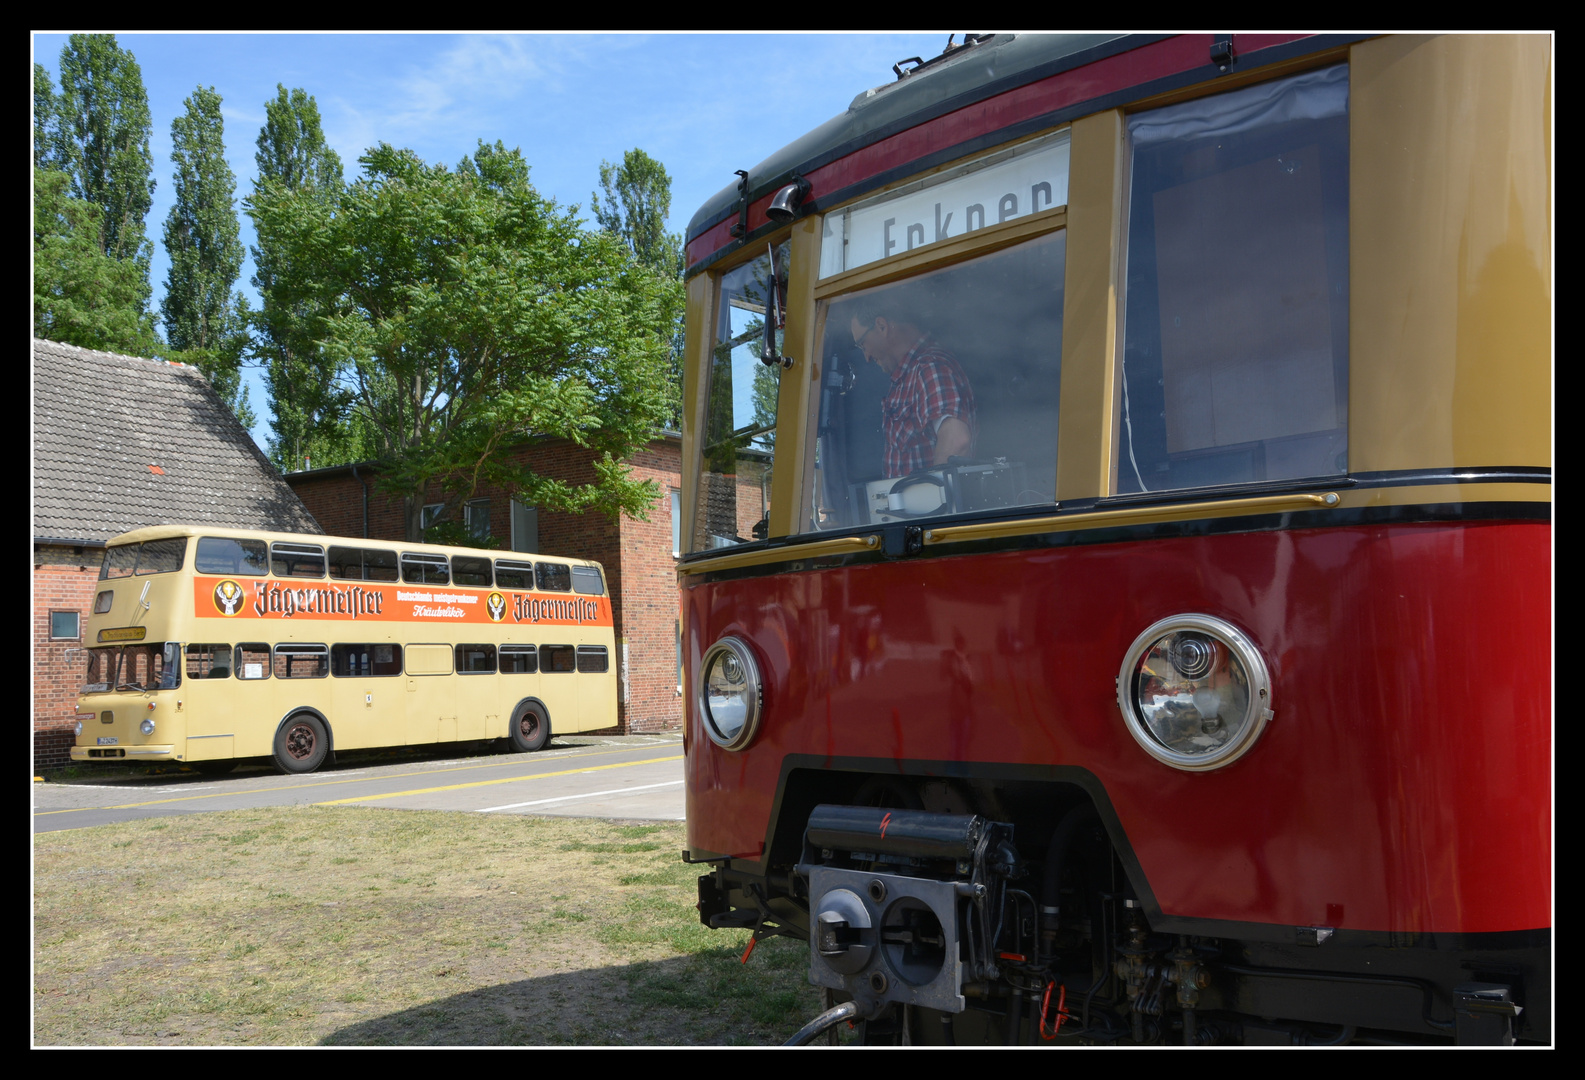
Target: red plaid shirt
[{"x": 927, "y": 387}]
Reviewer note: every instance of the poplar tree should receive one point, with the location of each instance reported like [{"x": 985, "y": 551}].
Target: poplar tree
[
  {"x": 308, "y": 412},
  {"x": 81, "y": 296},
  {"x": 43, "y": 118},
  {"x": 637, "y": 202},
  {"x": 204, "y": 319},
  {"x": 99, "y": 137}
]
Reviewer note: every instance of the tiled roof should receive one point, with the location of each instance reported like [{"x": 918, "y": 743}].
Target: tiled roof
[{"x": 121, "y": 442}]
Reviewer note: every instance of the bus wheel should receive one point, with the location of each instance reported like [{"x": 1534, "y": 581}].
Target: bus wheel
[
  {"x": 301, "y": 744},
  {"x": 530, "y": 728}
]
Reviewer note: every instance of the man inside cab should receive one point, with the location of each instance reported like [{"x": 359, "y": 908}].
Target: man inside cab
[{"x": 927, "y": 416}]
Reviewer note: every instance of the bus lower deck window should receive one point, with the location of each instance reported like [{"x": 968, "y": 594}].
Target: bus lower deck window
[
  {"x": 301, "y": 661},
  {"x": 365, "y": 659},
  {"x": 209, "y": 661},
  {"x": 519, "y": 660},
  {"x": 558, "y": 658},
  {"x": 476, "y": 659},
  {"x": 593, "y": 658}
]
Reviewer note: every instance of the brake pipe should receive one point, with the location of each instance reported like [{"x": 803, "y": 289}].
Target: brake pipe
[{"x": 826, "y": 1020}]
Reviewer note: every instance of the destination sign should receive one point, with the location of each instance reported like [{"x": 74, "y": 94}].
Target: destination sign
[{"x": 1003, "y": 186}]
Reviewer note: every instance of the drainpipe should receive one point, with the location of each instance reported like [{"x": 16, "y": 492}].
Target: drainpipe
[{"x": 365, "y": 488}]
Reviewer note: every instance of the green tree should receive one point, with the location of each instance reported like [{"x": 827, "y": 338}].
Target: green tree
[
  {"x": 43, "y": 118},
  {"x": 637, "y": 202},
  {"x": 99, "y": 137},
  {"x": 205, "y": 322},
  {"x": 464, "y": 311},
  {"x": 81, "y": 296},
  {"x": 309, "y": 415}
]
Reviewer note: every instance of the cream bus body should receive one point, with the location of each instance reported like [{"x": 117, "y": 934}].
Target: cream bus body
[{"x": 371, "y": 656}]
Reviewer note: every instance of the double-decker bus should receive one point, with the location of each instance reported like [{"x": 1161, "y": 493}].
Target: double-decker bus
[
  {"x": 210, "y": 645},
  {"x": 1116, "y": 604}
]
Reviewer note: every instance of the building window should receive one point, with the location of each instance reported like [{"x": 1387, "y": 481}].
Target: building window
[
  {"x": 64, "y": 626},
  {"x": 676, "y": 523},
  {"x": 525, "y": 527},
  {"x": 431, "y": 514},
  {"x": 476, "y": 515}
]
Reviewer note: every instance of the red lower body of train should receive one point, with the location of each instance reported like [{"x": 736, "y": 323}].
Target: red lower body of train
[{"x": 1378, "y": 861}]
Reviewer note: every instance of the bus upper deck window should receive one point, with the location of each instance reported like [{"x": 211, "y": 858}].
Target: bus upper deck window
[
  {"x": 1235, "y": 351},
  {"x": 149, "y": 557},
  {"x": 231, "y": 555},
  {"x": 297, "y": 560},
  {"x": 586, "y": 580},
  {"x": 419, "y": 569},
  {"x": 363, "y": 564},
  {"x": 467, "y": 570},
  {"x": 514, "y": 574},
  {"x": 120, "y": 561},
  {"x": 553, "y": 576},
  {"x": 162, "y": 556}
]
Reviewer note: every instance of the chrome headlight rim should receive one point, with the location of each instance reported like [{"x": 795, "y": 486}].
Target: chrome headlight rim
[
  {"x": 753, "y": 693},
  {"x": 1241, "y": 648}
]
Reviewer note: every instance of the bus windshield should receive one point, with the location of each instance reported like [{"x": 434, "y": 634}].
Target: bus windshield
[{"x": 145, "y": 666}]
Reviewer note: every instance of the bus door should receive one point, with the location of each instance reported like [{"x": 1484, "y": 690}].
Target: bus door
[
  {"x": 432, "y": 704},
  {"x": 368, "y": 700},
  {"x": 596, "y": 684}
]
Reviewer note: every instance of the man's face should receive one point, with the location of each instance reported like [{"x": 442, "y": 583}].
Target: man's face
[{"x": 876, "y": 341}]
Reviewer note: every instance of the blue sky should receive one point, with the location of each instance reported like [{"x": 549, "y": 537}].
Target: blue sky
[{"x": 702, "y": 104}]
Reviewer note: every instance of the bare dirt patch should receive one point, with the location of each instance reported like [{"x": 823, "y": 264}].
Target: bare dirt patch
[{"x": 358, "y": 926}]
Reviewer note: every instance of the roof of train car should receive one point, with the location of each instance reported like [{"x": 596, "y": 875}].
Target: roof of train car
[{"x": 949, "y": 81}]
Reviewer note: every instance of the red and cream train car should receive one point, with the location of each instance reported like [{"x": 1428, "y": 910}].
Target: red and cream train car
[{"x": 1116, "y": 596}]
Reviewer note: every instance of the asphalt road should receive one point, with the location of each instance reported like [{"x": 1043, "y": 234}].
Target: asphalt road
[{"x": 630, "y": 777}]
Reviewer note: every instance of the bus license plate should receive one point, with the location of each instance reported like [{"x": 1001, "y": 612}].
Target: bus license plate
[{"x": 108, "y": 740}]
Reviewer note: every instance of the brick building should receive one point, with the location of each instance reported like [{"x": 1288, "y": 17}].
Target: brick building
[
  {"x": 638, "y": 556},
  {"x": 121, "y": 442}
]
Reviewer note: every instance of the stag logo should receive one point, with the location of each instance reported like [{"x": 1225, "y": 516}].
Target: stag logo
[
  {"x": 228, "y": 598},
  {"x": 496, "y": 604}
]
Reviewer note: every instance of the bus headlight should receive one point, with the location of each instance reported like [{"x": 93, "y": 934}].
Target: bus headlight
[
  {"x": 729, "y": 694},
  {"x": 147, "y": 727},
  {"x": 79, "y": 729},
  {"x": 1195, "y": 692}
]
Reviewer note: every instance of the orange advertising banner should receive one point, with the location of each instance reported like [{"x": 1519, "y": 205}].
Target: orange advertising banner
[{"x": 268, "y": 598}]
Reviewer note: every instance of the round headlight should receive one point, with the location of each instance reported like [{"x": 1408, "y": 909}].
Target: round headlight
[
  {"x": 79, "y": 727},
  {"x": 1195, "y": 692},
  {"x": 729, "y": 694},
  {"x": 147, "y": 727}
]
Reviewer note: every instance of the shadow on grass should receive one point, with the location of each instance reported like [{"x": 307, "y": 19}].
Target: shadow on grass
[{"x": 708, "y": 999}]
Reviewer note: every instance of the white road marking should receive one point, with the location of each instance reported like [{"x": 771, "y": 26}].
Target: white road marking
[{"x": 585, "y": 795}]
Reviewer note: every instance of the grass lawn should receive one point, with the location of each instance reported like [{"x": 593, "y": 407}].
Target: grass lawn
[{"x": 357, "y": 926}]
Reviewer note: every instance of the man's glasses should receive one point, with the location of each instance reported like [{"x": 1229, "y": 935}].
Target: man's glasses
[{"x": 858, "y": 342}]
